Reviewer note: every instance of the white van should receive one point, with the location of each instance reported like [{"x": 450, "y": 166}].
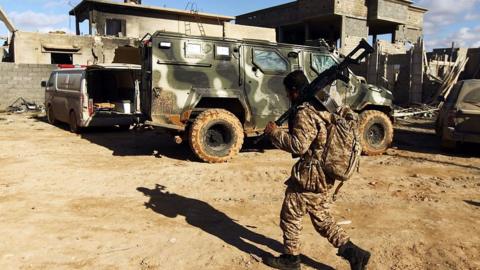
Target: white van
[{"x": 98, "y": 95}]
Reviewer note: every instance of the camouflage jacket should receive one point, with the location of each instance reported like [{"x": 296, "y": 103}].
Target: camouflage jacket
[{"x": 306, "y": 139}]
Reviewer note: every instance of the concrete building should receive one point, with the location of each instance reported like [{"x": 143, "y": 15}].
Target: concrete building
[
  {"x": 113, "y": 34},
  {"x": 340, "y": 22},
  {"x": 114, "y": 31},
  {"x": 133, "y": 20}
]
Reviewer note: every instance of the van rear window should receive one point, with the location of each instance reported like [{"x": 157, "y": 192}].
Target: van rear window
[{"x": 69, "y": 81}]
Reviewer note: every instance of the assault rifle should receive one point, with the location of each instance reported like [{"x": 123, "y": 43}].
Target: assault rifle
[{"x": 314, "y": 90}]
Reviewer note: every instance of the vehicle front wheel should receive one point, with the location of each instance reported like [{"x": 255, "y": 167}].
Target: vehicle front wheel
[
  {"x": 216, "y": 135},
  {"x": 376, "y": 132},
  {"x": 50, "y": 116},
  {"x": 73, "y": 123}
]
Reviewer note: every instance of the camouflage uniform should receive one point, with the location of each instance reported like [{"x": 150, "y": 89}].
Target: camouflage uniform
[{"x": 308, "y": 188}]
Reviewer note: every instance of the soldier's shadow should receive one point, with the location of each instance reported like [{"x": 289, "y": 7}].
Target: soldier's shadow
[{"x": 205, "y": 217}]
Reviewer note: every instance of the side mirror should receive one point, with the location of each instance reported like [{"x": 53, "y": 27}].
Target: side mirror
[{"x": 44, "y": 84}]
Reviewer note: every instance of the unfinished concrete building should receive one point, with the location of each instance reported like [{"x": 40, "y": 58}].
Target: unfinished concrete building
[
  {"x": 341, "y": 22},
  {"x": 134, "y": 20}
]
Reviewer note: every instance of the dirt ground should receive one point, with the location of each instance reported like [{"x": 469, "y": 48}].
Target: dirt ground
[{"x": 109, "y": 199}]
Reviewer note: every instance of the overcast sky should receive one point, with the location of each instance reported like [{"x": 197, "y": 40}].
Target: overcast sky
[{"x": 446, "y": 21}]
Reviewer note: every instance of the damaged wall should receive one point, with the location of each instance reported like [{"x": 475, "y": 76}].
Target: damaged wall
[
  {"x": 40, "y": 48},
  {"x": 22, "y": 80},
  {"x": 137, "y": 27}
]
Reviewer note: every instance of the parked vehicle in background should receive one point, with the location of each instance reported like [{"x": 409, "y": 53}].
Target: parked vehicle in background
[
  {"x": 459, "y": 118},
  {"x": 214, "y": 92},
  {"x": 93, "y": 96}
]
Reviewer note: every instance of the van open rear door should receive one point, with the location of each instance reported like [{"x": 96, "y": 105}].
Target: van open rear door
[{"x": 146, "y": 82}]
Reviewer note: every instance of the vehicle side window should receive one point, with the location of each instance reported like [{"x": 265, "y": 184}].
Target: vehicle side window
[
  {"x": 69, "y": 81},
  {"x": 269, "y": 61},
  {"x": 74, "y": 82},
  {"x": 321, "y": 62},
  {"x": 62, "y": 81},
  {"x": 473, "y": 97},
  {"x": 51, "y": 81}
]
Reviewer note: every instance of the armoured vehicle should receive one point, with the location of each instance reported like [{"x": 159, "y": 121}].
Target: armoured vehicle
[{"x": 214, "y": 92}]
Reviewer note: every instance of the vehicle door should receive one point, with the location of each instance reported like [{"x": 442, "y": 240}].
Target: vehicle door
[
  {"x": 146, "y": 78},
  {"x": 265, "y": 68},
  {"x": 50, "y": 90},
  {"x": 68, "y": 95},
  {"x": 318, "y": 62},
  {"x": 468, "y": 109}
]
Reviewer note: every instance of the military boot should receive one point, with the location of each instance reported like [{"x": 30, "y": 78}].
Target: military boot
[
  {"x": 357, "y": 257},
  {"x": 284, "y": 262}
]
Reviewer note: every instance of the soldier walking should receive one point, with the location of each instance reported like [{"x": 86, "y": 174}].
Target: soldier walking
[{"x": 308, "y": 189}]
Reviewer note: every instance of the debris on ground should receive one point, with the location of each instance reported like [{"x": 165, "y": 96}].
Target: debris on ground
[
  {"x": 422, "y": 111},
  {"x": 22, "y": 106}
]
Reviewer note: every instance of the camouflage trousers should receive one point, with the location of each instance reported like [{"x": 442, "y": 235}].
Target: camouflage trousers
[{"x": 295, "y": 206}]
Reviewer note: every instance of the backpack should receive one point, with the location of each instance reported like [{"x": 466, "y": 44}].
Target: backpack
[{"x": 341, "y": 155}]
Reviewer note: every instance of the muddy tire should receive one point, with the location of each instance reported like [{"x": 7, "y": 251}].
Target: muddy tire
[
  {"x": 50, "y": 116},
  {"x": 376, "y": 132},
  {"x": 216, "y": 136},
  {"x": 73, "y": 123}
]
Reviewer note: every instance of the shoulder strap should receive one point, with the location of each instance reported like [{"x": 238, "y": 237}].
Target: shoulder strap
[{"x": 337, "y": 190}]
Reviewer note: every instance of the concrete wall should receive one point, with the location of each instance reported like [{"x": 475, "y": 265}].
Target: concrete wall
[
  {"x": 353, "y": 31},
  {"x": 315, "y": 8},
  {"x": 237, "y": 31},
  {"x": 272, "y": 17},
  {"x": 415, "y": 18},
  {"x": 390, "y": 10},
  {"x": 137, "y": 27},
  {"x": 353, "y": 8},
  {"x": 31, "y": 48},
  {"x": 22, "y": 80}
]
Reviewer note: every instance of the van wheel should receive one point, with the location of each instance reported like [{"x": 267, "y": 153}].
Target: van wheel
[
  {"x": 50, "y": 116},
  {"x": 73, "y": 123},
  {"x": 376, "y": 132},
  {"x": 216, "y": 136}
]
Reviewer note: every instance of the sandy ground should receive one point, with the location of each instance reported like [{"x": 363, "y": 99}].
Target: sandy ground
[{"x": 135, "y": 200}]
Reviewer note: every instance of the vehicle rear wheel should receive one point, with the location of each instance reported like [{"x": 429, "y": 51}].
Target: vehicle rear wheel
[
  {"x": 50, "y": 116},
  {"x": 376, "y": 132},
  {"x": 216, "y": 136},
  {"x": 73, "y": 123}
]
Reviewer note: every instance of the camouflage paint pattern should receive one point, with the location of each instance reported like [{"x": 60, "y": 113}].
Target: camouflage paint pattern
[
  {"x": 183, "y": 74},
  {"x": 317, "y": 205},
  {"x": 308, "y": 190}
]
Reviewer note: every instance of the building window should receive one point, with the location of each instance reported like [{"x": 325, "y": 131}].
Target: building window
[
  {"x": 61, "y": 58},
  {"x": 115, "y": 27},
  {"x": 269, "y": 61}
]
